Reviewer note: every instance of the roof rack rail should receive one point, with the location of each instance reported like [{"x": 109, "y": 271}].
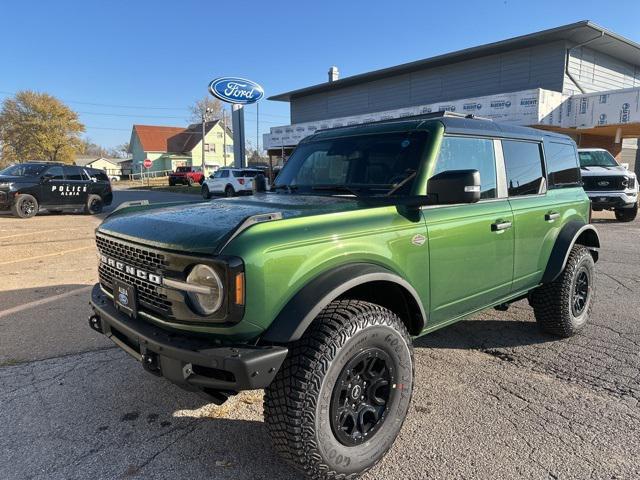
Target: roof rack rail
[{"x": 421, "y": 116}]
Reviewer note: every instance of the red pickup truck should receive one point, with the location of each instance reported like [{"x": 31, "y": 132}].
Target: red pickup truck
[{"x": 186, "y": 176}]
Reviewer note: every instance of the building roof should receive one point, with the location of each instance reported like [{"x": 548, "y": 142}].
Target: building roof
[
  {"x": 172, "y": 139},
  {"x": 83, "y": 161},
  {"x": 155, "y": 138},
  {"x": 599, "y": 39}
]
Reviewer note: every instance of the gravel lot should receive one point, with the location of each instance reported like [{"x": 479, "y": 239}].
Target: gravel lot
[{"x": 494, "y": 397}]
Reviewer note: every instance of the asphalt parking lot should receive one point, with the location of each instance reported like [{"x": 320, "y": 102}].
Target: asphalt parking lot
[{"x": 494, "y": 397}]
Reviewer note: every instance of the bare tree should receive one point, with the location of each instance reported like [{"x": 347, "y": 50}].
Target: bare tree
[{"x": 199, "y": 108}]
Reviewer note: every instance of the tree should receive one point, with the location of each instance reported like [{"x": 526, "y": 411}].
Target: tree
[
  {"x": 90, "y": 149},
  {"x": 120, "y": 151},
  {"x": 38, "y": 126},
  {"x": 199, "y": 108}
]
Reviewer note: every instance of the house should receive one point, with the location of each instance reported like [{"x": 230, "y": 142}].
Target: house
[
  {"x": 171, "y": 147},
  {"x": 113, "y": 167}
]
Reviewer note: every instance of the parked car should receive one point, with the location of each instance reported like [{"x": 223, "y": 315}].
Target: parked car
[
  {"x": 27, "y": 187},
  {"x": 610, "y": 186},
  {"x": 186, "y": 176},
  {"x": 373, "y": 234},
  {"x": 232, "y": 182}
]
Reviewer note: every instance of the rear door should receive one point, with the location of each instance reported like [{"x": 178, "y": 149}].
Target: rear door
[
  {"x": 470, "y": 245},
  {"x": 535, "y": 213},
  {"x": 76, "y": 186}
]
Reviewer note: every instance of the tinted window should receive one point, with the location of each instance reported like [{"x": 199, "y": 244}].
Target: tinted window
[
  {"x": 183, "y": 169},
  {"x": 74, "y": 173},
  {"x": 56, "y": 173},
  {"x": 523, "y": 162},
  {"x": 224, "y": 174},
  {"x": 457, "y": 153},
  {"x": 249, "y": 173},
  {"x": 24, "y": 170},
  {"x": 98, "y": 175},
  {"x": 562, "y": 165}
]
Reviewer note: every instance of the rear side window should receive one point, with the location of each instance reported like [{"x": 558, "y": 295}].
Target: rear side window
[
  {"x": 56, "y": 173},
  {"x": 74, "y": 173},
  {"x": 249, "y": 173},
  {"x": 100, "y": 176},
  {"x": 562, "y": 165},
  {"x": 523, "y": 162},
  {"x": 458, "y": 153}
]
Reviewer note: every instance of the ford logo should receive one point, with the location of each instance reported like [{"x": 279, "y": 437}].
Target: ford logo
[
  {"x": 603, "y": 183},
  {"x": 236, "y": 90},
  {"x": 123, "y": 299}
]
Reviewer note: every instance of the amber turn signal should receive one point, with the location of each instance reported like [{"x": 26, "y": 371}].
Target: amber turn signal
[{"x": 239, "y": 289}]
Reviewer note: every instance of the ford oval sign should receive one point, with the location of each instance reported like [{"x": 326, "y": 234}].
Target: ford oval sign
[{"x": 236, "y": 90}]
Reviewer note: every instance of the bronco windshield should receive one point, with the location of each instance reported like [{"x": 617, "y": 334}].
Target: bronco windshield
[
  {"x": 597, "y": 158},
  {"x": 24, "y": 170},
  {"x": 360, "y": 165}
]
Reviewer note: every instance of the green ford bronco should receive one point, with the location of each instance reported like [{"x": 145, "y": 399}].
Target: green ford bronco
[{"x": 371, "y": 235}]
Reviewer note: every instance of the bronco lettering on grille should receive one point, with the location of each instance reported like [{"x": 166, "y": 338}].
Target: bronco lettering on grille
[{"x": 130, "y": 270}]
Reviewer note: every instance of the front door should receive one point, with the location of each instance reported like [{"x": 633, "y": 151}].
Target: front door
[
  {"x": 471, "y": 246},
  {"x": 76, "y": 189},
  {"x": 52, "y": 187}
]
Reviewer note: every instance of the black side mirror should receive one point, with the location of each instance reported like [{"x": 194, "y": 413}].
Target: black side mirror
[
  {"x": 455, "y": 186},
  {"x": 47, "y": 177}
]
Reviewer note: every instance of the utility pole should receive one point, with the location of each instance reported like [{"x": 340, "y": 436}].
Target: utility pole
[{"x": 205, "y": 114}]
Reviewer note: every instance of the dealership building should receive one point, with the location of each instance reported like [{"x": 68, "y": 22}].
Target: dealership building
[{"x": 579, "y": 79}]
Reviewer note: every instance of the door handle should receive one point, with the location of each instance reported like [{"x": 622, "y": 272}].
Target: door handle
[
  {"x": 551, "y": 216},
  {"x": 500, "y": 226}
]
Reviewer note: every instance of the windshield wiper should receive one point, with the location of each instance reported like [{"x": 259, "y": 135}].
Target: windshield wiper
[
  {"x": 288, "y": 188},
  {"x": 336, "y": 188}
]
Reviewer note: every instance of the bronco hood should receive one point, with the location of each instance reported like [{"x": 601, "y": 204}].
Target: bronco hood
[{"x": 203, "y": 227}]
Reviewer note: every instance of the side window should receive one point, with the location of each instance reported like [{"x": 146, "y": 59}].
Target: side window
[
  {"x": 562, "y": 165},
  {"x": 460, "y": 153},
  {"x": 236, "y": 173},
  {"x": 523, "y": 162},
  {"x": 224, "y": 174},
  {"x": 73, "y": 173},
  {"x": 56, "y": 173},
  {"x": 218, "y": 174}
]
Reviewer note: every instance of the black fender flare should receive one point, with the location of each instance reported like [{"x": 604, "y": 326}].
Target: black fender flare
[
  {"x": 310, "y": 300},
  {"x": 573, "y": 232}
]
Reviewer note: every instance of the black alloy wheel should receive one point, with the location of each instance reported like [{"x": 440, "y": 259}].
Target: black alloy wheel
[{"x": 362, "y": 396}]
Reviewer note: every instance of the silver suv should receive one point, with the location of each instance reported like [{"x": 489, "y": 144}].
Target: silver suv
[{"x": 610, "y": 186}]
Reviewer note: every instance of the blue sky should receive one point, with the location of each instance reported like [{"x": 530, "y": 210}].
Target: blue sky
[{"x": 123, "y": 62}]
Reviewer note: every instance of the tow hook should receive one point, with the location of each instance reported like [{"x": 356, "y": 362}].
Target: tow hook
[
  {"x": 150, "y": 363},
  {"x": 95, "y": 323}
]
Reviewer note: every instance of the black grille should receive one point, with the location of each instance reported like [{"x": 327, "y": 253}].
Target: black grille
[
  {"x": 604, "y": 183},
  {"x": 148, "y": 294}
]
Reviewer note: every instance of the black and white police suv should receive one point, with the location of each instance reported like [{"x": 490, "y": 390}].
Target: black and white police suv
[{"x": 25, "y": 188}]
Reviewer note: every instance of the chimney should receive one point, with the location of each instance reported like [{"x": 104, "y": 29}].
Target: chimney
[{"x": 333, "y": 74}]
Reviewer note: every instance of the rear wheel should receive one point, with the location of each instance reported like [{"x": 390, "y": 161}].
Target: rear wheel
[
  {"x": 172, "y": 182},
  {"x": 563, "y": 306},
  {"x": 339, "y": 401},
  {"x": 206, "y": 194},
  {"x": 627, "y": 214},
  {"x": 25, "y": 206},
  {"x": 94, "y": 205},
  {"x": 229, "y": 191},
  {"x": 191, "y": 182}
]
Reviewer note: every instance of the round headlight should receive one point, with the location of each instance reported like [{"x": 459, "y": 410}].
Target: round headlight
[{"x": 209, "y": 298}]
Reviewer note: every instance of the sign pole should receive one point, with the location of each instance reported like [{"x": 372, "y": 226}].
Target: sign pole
[{"x": 237, "y": 120}]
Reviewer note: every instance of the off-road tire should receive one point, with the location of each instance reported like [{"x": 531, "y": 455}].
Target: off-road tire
[
  {"x": 298, "y": 404},
  {"x": 627, "y": 214},
  {"x": 206, "y": 193},
  {"x": 191, "y": 182},
  {"x": 229, "y": 191},
  {"x": 172, "y": 183},
  {"x": 25, "y": 206},
  {"x": 553, "y": 303},
  {"x": 94, "y": 205}
]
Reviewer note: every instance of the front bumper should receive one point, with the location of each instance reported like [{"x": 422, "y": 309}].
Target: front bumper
[
  {"x": 191, "y": 362},
  {"x": 614, "y": 199}
]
